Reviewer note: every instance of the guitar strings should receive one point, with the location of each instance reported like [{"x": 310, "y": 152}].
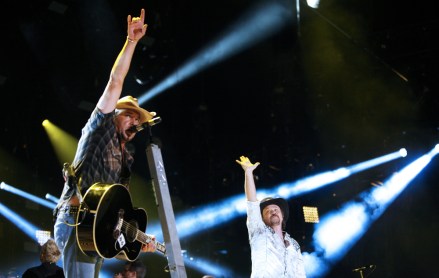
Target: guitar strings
[
  {"x": 144, "y": 238},
  {"x": 131, "y": 228}
]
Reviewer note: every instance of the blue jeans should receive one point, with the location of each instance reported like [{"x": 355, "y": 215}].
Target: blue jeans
[{"x": 75, "y": 263}]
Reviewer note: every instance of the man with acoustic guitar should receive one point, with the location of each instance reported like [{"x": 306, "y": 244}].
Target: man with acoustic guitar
[{"x": 101, "y": 157}]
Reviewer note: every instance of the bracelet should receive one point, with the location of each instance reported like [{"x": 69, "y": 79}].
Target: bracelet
[{"x": 130, "y": 40}]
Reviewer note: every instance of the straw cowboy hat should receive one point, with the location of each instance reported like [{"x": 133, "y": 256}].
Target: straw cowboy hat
[{"x": 131, "y": 103}]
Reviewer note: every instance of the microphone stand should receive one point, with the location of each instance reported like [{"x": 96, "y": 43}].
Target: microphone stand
[
  {"x": 361, "y": 269},
  {"x": 165, "y": 211}
]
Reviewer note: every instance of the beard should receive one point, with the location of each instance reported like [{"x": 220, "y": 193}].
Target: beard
[{"x": 274, "y": 220}]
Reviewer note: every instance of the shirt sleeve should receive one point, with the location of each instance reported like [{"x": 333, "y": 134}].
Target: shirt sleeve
[{"x": 254, "y": 218}]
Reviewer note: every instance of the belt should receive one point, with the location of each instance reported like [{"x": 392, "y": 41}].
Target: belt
[{"x": 69, "y": 209}]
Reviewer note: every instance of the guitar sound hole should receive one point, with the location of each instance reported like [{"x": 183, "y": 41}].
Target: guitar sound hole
[{"x": 131, "y": 231}]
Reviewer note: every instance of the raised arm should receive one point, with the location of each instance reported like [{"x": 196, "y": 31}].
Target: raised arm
[
  {"x": 136, "y": 30},
  {"x": 249, "y": 184}
]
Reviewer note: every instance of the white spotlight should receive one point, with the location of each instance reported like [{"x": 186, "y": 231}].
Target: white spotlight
[
  {"x": 403, "y": 152},
  {"x": 313, "y": 3}
]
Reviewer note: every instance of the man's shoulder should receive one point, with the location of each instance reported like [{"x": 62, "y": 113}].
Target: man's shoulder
[
  {"x": 293, "y": 242},
  {"x": 32, "y": 272}
]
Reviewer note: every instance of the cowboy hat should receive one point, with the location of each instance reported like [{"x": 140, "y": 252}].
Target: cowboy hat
[
  {"x": 280, "y": 202},
  {"x": 131, "y": 103}
]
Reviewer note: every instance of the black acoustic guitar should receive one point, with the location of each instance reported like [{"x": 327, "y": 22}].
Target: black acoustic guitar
[{"x": 108, "y": 226}]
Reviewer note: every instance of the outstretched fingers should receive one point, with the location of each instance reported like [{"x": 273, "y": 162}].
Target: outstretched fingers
[
  {"x": 142, "y": 15},
  {"x": 246, "y": 163}
]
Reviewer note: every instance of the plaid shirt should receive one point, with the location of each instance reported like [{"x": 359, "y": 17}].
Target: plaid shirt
[
  {"x": 270, "y": 257},
  {"x": 100, "y": 153}
]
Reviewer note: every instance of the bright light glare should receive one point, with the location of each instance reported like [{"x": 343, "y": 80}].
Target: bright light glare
[
  {"x": 208, "y": 267},
  {"x": 26, "y": 195},
  {"x": 25, "y": 226},
  {"x": 42, "y": 236},
  {"x": 257, "y": 25},
  {"x": 403, "y": 152},
  {"x": 377, "y": 161},
  {"x": 338, "y": 231},
  {"x": 311, "y": 214},
  {"x": 309, "y": 184},
  {"x": 206, "y": 217},
  {"x": 52, "y": 198},
  {"x": 313, "y": 3},
  {"x": 349, "y": 223}
]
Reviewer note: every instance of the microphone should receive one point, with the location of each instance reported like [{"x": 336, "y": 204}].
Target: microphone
[
  {"x": 151, "y": 122},
  {"x": 363, "y": 268}
]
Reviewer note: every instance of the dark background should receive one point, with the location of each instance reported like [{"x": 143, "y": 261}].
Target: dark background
[{"x": 348, "y": 82}]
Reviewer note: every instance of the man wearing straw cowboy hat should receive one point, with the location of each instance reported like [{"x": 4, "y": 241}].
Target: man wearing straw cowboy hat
[{"x": 101, "y": 155}]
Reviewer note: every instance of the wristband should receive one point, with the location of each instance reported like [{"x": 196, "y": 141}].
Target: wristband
[{"x": 130, "y": 40}]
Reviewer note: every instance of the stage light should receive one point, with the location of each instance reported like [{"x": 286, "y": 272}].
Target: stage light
[
  {"x": 208, "y": 267},
  {"x": 194, "y": 221},
  {"x": 256, "y": 25},
  {"x": 52, "y": 198},
  {"x": 436, "y": 148},
  {"x": 339, "y": 230},
  {"x": 314, "y": 182},
  {"x": 311, "y": 214},
  {"x": 312, "y": 3},
  {"x": 377, "y": 161},
  {"x": 24, "y": 225},
  {"x": 42, "y": 236},
  {"x": 352, "y": 217},
  {"x": 205, "y": 217},
  {"x": 26, "y": 195},
  {"x": 403, "y": 152},
  {"x": 63, "y": 143}
]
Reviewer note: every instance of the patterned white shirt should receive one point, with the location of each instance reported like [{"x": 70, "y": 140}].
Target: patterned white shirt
[{"x": 271, "y": 258}]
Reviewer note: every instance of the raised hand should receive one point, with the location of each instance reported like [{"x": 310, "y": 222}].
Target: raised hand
[
  {"x": 136, "y": 26},
  {"x": 246, "y": 164}
]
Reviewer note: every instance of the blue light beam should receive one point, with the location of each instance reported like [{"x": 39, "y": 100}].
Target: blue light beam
[
  {"x": 214, "y": 214},
  {"x": 338, "y": 231},
  {"x": 52, "y": 198},
  {"x": 208, "y": 267},
  {"x": 312, "y": 183},
  {"x": 255, "y": 26},
  {"x": 26, "y": 195},
  {"x": 205, "y": 217},
  {"x": 25, "y": 226},
  {"x": 377, "y": 161}
]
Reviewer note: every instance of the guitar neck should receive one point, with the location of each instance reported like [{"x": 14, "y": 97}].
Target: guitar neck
[{"x": 144, "y": 238}]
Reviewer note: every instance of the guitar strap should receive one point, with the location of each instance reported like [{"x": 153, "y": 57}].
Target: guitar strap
[{"x": 72, "y": 185}]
